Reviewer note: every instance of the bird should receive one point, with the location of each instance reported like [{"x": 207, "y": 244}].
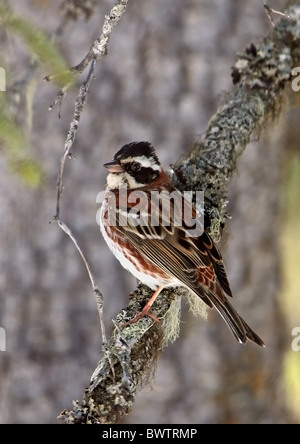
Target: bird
[{"x": 166, "y": 253}]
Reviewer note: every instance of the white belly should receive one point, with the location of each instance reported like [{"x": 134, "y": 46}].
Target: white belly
[{"x": 118, "y": 252}]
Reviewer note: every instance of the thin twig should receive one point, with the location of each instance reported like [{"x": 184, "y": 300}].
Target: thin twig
[
  {"x": 19, "y": 86},
  {"x": 269, "y": 11},
  {"x": 97, "y": 50},
  {"x": 79, "y": 105},
  {"x": 97, "y": 292}
]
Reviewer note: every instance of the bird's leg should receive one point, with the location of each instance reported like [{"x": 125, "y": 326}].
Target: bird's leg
[{"x": 146, "y": 309}]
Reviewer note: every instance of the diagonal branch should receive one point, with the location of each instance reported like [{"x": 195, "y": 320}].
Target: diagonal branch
[{"x": 261, "y": 74}]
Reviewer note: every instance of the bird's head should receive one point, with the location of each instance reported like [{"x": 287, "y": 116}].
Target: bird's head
[{"x": 135, "y": 165}]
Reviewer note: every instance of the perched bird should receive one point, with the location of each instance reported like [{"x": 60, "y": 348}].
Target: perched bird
[{"x": 165, "y": 253}]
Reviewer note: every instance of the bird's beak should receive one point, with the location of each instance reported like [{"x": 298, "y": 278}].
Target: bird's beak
[{"x": 113, "y": 167}]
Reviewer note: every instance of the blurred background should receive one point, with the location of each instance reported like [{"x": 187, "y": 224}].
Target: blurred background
[{"x": 167, "y": 69}]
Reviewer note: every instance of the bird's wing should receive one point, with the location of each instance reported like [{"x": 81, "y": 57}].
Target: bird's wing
[{"x": 193, "y": 260}]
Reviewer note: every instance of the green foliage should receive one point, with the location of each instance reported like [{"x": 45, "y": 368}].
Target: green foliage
[
  {"x": 29, "y": 171},
  {"x": 38, "y": 44},
  {"x": 292, "y": 199},
  {"x": 11, "y": 135},
  {"x": 291, "y": 261},
  {"x": 13, "y": 139},
  {"x": 14, "y": 143}
]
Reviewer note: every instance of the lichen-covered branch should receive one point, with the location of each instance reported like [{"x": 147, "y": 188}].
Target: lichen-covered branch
[{"x": 261, "y": 74}]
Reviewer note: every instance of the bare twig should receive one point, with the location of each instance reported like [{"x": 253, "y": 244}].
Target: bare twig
[
  {"x": 97, "y": 292},
  {"x": 79, "y": 105},
  {"x": 261, "y": 74},
  {"x": 269, "y": 11},
  {"x": 18, "y": 87},
  {"x": 97, "y": 50}
]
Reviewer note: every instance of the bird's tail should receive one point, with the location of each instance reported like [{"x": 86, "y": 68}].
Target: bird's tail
[{"x": 235, "y": 322}]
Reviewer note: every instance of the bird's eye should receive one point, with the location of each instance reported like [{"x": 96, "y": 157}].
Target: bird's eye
[{"x": 136, "y": 166}]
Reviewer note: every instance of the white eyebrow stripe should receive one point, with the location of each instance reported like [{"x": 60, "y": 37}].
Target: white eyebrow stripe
[
  {"x": 145, "y": 162},
  {"x": 156, "y": 167}
]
